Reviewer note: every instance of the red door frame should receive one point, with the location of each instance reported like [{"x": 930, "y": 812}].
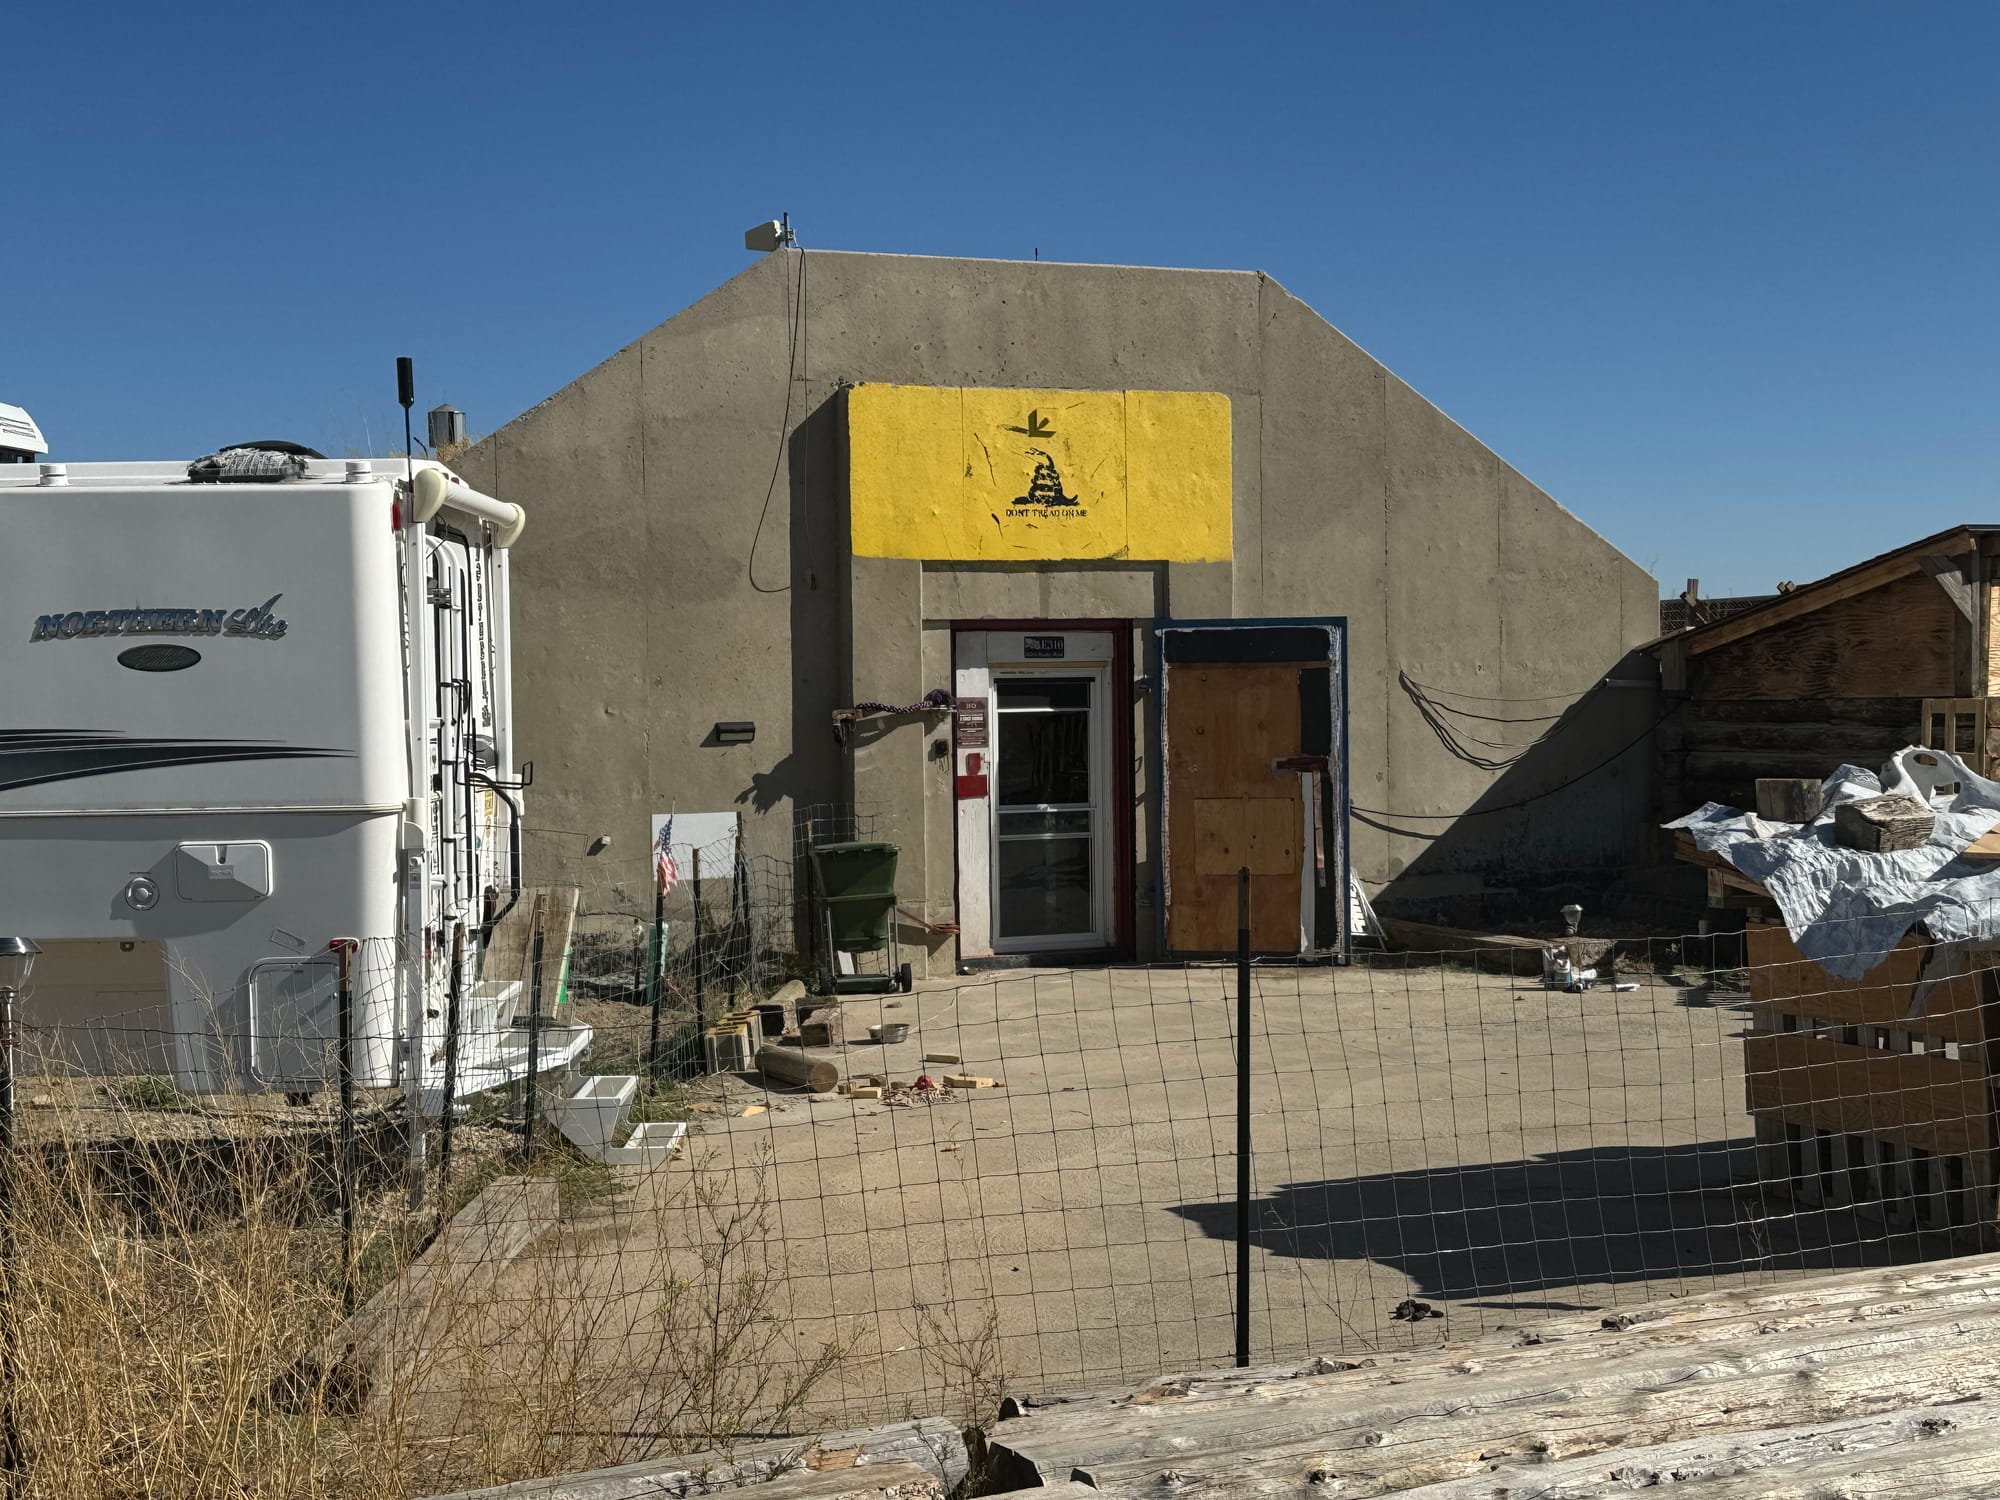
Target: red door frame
[{"x": 1122, "y": 800}]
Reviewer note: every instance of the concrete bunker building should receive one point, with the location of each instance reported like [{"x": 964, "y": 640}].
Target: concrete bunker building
[{"x": 848, "y": 478}]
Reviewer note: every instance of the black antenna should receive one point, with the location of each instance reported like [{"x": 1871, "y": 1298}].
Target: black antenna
[{"x": 406, "y": 392}]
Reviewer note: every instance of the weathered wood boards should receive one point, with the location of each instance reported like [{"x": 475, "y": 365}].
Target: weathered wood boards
[
  {"x": 1957, "y": 1445},
  {"x": 1882, "y": 825},
  {"x": 1874, "y": 1092},
  {"x": 1732, "y": 1392},
  {"x": 924, "y": 1459},
  {"x": 1790, "y": 799}
]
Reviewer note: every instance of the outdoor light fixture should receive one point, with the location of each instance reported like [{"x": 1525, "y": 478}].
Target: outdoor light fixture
[
  {"x": 598, "y": 845},
  {"x": 775, "y": 234},
  {"x": 735, "y": 732},
  {"x": 1572, "y": 918},
  {"x": 17, "y": 961}
]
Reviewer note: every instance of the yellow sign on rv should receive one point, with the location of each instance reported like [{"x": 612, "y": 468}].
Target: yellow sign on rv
[{"x": 976, "y": 474}]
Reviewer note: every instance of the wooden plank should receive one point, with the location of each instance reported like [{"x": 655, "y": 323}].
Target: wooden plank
[
  {"x": 1897, "y": 638},
  {"x": 1225, "y": 724},
  {"x": 928, "y": 1453},
  {"x": 1822, "y": 716},
  {"x": 1790, "y": 799},
  {"x": 1797, "y": 986},
  {"x": 1496, "y": 952},
  {"x": 407, "y": 1317},
  {"x": 1260, "y": 832},
  {"x": 1952, "y": 1466},
  {"x": 871, "y": 1481},
  {"x": 1918, "y": 1293},
  {"x": 1862, "y": 579},
  {"x": 1830, "y": 743},
  {"x": 1919, "y": 1100},
  {"x": 1452, "y": 1421},
  {"x": 1951, "y": 573},
  {"x": 1767, "y": 1461},
  {"x": 558, "y": 927},
  {"x": 1986, "y": 846}
]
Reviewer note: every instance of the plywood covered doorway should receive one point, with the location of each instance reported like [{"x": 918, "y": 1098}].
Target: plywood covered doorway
[{"x": 1252, "y": 723}]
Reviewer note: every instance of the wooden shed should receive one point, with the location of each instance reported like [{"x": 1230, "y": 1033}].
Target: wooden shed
[{"x": 1902, "y": 649}]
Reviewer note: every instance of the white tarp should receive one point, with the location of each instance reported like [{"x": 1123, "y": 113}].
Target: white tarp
[{"x": 1846, "y": 909}]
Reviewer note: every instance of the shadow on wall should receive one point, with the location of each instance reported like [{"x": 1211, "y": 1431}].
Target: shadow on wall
[
  {"x": 804, "y": 561},
  {"x": 1572, "y": 814},
  {"x": 1492, "y": 1234}
]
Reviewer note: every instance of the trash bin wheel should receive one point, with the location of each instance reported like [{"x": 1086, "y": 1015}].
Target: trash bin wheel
[{"x": 905, "y": 980}]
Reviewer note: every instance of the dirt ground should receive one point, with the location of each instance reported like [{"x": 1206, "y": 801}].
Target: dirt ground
[{"x": 1464, "y": 1140}]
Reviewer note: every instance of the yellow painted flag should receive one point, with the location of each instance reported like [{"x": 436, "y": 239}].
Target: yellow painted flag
[{"x": 978, "y": 474}]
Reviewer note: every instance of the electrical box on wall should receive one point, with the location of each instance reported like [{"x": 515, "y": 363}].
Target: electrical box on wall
[{"x": 972, "y": 780}]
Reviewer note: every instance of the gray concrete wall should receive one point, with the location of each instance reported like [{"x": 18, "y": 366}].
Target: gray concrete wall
[{"x": 640, "y": 621}]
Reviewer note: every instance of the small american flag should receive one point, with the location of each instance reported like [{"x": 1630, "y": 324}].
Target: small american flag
[{"x": 668, "y": 872}]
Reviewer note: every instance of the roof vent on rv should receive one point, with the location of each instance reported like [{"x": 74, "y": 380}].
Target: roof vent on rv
[
  {"x": 269, "y": 462},
  {"x": 21, "y": 441}
]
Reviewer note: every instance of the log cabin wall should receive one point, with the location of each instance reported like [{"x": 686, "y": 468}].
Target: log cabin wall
[{"x": 1843, "y": 683}]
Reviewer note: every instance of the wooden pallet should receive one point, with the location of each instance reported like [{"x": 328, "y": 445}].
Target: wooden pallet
[{"x": 1862, "y": 1100}]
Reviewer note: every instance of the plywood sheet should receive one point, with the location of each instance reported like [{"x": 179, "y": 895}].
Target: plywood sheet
[
  {"x": 1921, "y": 1099},
  {"x": 1890, "y": 642},
  {"x": 1992, "y": 604},
  {"x": 1262, "y": 833},
  {"x": 1795, "y": 985},
  {"x": 1226, "y": 723}
]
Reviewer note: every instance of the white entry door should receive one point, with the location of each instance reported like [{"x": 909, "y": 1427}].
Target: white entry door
[{"x": 1040, "y": 838}]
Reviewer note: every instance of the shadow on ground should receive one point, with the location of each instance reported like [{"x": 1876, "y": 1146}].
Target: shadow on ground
[{"x": 1496, "y": 1234}]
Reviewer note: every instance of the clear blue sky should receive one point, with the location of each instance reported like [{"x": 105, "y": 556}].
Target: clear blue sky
[{"x": 1720, "y": 277}]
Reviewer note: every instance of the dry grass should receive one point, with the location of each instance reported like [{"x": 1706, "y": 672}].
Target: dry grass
[{"x": 163, "y": 1313}]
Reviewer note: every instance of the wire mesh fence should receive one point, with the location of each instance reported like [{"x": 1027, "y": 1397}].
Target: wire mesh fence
[{"x": 1021, "y": 1182}]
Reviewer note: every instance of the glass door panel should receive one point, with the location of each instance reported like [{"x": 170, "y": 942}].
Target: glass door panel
[{"x": 1045, "y": 809}]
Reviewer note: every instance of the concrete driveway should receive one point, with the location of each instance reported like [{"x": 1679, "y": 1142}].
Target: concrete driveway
[{"x": 1426, "y": 1134}]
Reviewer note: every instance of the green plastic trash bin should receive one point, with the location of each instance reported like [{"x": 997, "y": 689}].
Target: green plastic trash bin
[{"x": 855, "y": 888}]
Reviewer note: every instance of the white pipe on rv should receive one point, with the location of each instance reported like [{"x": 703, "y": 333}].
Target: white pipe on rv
[{"x": 438, "y": 488}]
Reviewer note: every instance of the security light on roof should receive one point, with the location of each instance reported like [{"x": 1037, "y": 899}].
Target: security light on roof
[{"x": 774, "y": 235}]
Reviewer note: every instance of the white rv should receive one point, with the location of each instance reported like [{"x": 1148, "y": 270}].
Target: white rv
[{"x": 250, "y": 707}]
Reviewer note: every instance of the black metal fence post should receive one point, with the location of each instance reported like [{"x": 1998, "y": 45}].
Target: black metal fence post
[
  {"x": 11, "y": 1458},
  {"x": 346, "y": 1002},
  {"x": 534, "y": 1106},
  {"x": 700, "y": 992},
  {"x": 1243, "y": 1118},
  {"x": 656, "y": 960},
  {"x": 453, "y": 994}
]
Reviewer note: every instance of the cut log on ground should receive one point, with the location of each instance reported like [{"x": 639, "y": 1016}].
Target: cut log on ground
[
  {"x": 1764, "y": 1387},
  {"x": 913, "y": 1460},
  {"x": 800, "y": 1069}
]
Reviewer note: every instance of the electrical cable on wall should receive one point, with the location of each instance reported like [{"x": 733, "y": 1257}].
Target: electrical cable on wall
[
  {"x": 1369, "y": 814},
  {"x": 1493, "y": 698},
  {"x": 796, "y": 311},
  {"x": 1458, "y": 742}
]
